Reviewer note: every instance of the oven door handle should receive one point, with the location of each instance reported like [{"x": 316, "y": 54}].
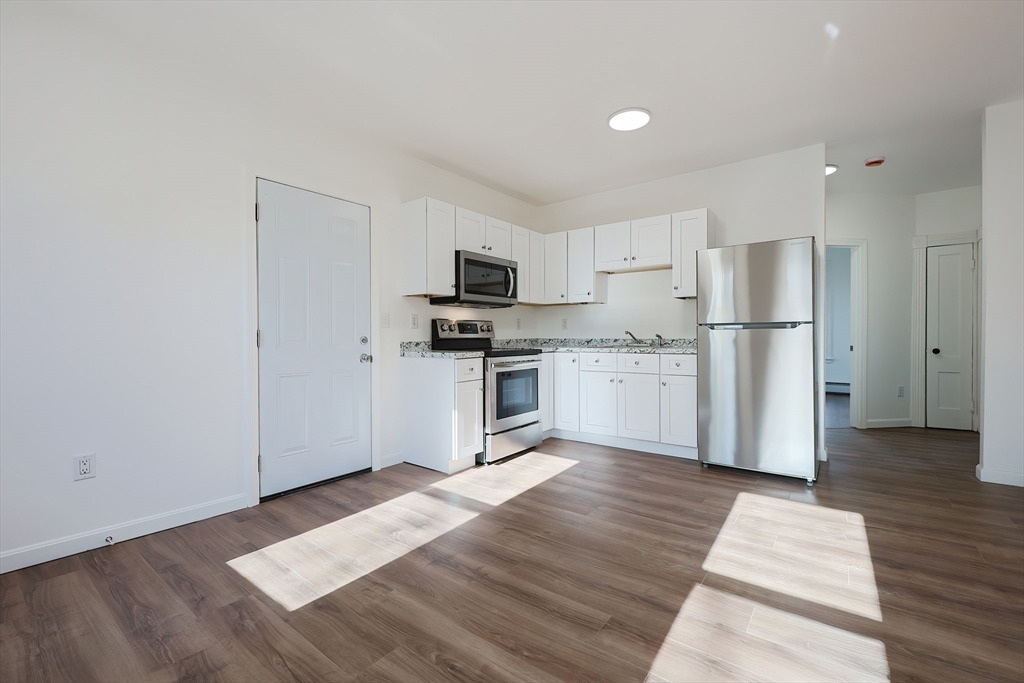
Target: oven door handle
[{"x": 521, "y": 364}]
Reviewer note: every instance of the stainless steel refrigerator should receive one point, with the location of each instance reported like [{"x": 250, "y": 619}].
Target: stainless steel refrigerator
[{"x": 756, "y": 374}]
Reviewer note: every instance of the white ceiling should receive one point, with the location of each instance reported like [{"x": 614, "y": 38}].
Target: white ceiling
[{"x": 516, "y": 95}]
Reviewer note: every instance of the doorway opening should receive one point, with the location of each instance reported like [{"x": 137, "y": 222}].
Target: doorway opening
[{"x": 845, "y": 331}]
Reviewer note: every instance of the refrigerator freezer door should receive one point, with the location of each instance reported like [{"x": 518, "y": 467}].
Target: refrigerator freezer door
[
  {"x": 756, "y": 283},
  {"x": 755, "y": 399}
]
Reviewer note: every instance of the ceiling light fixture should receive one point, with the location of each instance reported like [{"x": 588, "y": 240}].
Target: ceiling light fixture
[
  {"x": 629, "y": 119},
  {"x": 830, "y": 169},
  {"x": 874, "y": 161}
]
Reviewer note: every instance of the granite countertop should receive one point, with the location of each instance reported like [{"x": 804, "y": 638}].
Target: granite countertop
[{"x": 547, "y": 344}]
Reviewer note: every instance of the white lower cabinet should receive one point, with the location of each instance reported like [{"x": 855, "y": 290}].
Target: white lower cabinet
[
  {"x": 469, "y": 411},
  {"x": 679, "y": 410},
  {"x": 546, "y": 391},
  {"x": 567, "y": 392},
  {"x": 598, "y": 399},
  {"x": 638, "y": 414}
]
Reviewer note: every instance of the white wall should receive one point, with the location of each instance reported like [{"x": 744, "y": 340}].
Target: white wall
[
  {"x": 837, "y": 315},
  {"x": 1002, "y": 387},
  {"x": 948, "y": 211},
  {"x": 127, "y": 191},
  {"x": 887, "y": 222},
  {"x": 768, "y": 198}
]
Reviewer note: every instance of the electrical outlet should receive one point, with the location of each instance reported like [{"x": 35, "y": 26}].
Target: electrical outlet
[
  {"x": 565, "y": 323},
  {"x": 85, "y": 466},
  {"x": 414, "y": 321},
  {"x": 519, "y": 323},
  {"x": 385, "y": 321},
  {"x": 899, "y": 391}
]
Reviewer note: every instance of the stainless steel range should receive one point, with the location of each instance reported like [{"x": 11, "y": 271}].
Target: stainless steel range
[{"x": 511, "y": 386}]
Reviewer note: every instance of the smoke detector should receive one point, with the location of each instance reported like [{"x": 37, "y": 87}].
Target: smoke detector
[{"x": 874, "y": 161}]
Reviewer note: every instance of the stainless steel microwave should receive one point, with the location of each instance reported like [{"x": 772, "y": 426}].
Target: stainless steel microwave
[{"x": 482, "y": 282}]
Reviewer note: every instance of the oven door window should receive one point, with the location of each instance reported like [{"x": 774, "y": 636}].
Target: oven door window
[
  {"x": 485, "y": 279},
  {"x": 515, "y": 392}
]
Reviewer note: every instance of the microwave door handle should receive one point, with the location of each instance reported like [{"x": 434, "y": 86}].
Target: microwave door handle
[{"x": 511, "y": 281}]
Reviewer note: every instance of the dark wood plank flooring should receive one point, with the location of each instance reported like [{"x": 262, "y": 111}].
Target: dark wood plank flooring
[{"x": 573, "y": 563}]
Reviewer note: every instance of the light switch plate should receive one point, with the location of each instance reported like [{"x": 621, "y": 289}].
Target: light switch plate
[
  {"x": 385, "y": 321},
  {"x": 565, "y": 323},
  {"x": 414, "y": 321}
]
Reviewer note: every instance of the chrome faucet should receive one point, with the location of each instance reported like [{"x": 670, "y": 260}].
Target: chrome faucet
[
  {"x": 633, "y": 336},
  {"x": 661, "y": 340}
]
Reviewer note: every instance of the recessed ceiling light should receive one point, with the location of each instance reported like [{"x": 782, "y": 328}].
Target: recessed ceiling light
[
  {"x": 629, "y": 119},
  {"x": 830, "y": 169},
  {"x": 874, "y": 162}
]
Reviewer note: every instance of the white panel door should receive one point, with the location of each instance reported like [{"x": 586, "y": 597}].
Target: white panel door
[
  {"x": 536, "y": 268},
  {"x": 598, "y": 396},
  {"x": 639, "y": 414},
  {"x": 950, "y": 337},
  {"x": 469, "y": 411},
  {"x": 679, "y": 410},
  {"x": 314, "y": 322},
  {"x": 556, "y": 279},
  {"x": 611, "y": 246},
  {"x": 650, "y": 242},
  {"x": 567, "y": 391},
  {"x": 546, "y": 399},
  {"x": 689, "y": 235},
  {"x": 470, "y": 231},
  {"x": 521, "y": 255},
  {"x": 440, "y": 248},
  {"x": 580, "y": 265},
  {"x": 499, "y": 238}
]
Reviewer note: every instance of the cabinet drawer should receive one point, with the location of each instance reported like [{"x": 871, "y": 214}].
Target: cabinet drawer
[
  {"x": 678, "y": 364},
  {"x": 597, "y": 361},
  {"x": 646, "y": 363},
  {"x": 467, "y": 369}
]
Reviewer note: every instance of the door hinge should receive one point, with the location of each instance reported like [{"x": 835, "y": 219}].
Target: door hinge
[
  {"x": 257, "y": 212},
  {"x": 257, "y": 339},
  {"x": 259, "y": 464}
]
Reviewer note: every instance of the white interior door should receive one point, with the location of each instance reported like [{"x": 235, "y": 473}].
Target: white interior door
[
  {"x": 837, "y": 316},
  {"x": 314, "y": 312},
  {"x": 950, "y": 337}
]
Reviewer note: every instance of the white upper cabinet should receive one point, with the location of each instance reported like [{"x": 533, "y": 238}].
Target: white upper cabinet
[
  {"x": 650, "y": 242},
  {"x": 691, "y": 232},
  {"x": 584, "y": 284},
  {"x": 611, "y": 246},
  {"x": 470, "y": 231},
  {"x": 643, "y": 244},
  {"x": 536, "y": 287},
  {"x": 521, "y": 255},
  {"x": 499, "y": 238},
  {"x": 429, "y": 239},
  {"x": 556, "y": 284}
]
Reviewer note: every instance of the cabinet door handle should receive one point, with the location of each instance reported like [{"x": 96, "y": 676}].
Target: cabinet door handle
[
  {"x": 634, "y": 258},
  {"x": 588, "y": 293},
  {"x": 625, "y": 258},
  {"x": 636, "y": 362},
  {"x": 620, "y": 381},
  {"x": 489, "y": 248},
  {"x": 562, "y": 295},
  {"x": 935, "y": 351},
  {"x": 611, "y": 380},
  {"x": 664, "y": 384},
  {"x": 676, "y": 287}
]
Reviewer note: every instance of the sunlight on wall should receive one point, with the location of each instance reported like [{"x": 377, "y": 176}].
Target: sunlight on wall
[
  {"x": 789, "y": 595},
  {"x": 298, "y": 570}
]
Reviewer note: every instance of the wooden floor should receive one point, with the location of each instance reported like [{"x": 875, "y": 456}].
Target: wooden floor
[{"x": 575, "y": 562}]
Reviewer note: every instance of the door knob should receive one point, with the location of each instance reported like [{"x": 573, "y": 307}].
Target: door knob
[
  {"x": 935, "y": 350},
  {"x": 365, "y": 358},
  {"x": 363, "y": 340}
]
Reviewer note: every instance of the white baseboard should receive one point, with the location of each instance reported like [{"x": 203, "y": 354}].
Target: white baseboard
[
  {"x": 627, "y": 444},
  {"x": 992, "y": 476},
  {"x": 389, "y": 460},
  {"x": 29, "y": 555},
  {"x": 879, "y": 423}
]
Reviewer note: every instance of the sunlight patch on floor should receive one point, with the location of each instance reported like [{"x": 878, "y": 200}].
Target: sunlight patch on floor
[
  {"x": 298, "y": 570},
  {"x": 798, "y": 558}
]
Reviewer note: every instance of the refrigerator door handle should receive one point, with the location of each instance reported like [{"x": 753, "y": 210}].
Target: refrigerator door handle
[{"x": 754, "y": 326}]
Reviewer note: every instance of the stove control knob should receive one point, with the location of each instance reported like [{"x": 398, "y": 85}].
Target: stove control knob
[{"x": 444, "y": 328}]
